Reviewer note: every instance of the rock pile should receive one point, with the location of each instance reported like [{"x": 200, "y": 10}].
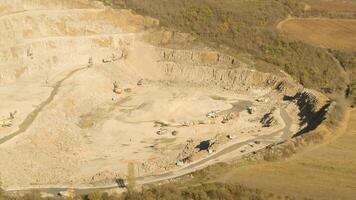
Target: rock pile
[
  {"x": 268, "y": 120},
  {"x": 162, "y": 131},
  {"x": 230, "y": 117},
  {"x": 116, "y": 88},
  {"x": 251, "y": 110},
  {"x": 8, "y": 121},
  {"x": 187, "y": 152}
]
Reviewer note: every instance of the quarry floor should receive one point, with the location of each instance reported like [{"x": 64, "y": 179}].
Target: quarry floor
[
  {"x": 89, "y": 144},
  {"x": 69, "y": 129}
]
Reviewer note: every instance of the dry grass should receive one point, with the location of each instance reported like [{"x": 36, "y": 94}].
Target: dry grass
[
  {"x": 327, "y": 172},
  {"x": 333, "y": 5},
  {"x": 325, "y": 33}
]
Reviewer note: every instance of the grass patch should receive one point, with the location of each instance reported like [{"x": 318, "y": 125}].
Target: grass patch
[{"x": 223, "y": 191}]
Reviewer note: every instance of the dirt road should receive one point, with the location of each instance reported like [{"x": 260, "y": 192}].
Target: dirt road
[{"x": 200, "y": 164}]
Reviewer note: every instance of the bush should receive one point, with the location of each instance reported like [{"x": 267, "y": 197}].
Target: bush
[
  {"x": 200, "y": 192},
  {"x": 248, "y": 27}
]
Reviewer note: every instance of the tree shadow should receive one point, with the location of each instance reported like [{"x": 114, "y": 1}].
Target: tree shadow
[
  {"x": 309, "y": 118},
  {"x": 204, "y": 145}
]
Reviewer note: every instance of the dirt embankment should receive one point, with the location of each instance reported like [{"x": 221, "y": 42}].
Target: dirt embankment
[{"x": 210, "y": 68}]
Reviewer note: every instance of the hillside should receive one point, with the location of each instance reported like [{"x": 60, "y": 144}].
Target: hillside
[
  {"x": 248, "y": 29},
  {"x": 196, "y": 99}
]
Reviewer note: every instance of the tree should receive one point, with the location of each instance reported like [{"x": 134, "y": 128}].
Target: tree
[
  {"x": 131, "y": 179},
  {"x": 96, "y": 195}
]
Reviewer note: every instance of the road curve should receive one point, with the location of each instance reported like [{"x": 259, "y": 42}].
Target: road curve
[{"x": 286, "y": 134}]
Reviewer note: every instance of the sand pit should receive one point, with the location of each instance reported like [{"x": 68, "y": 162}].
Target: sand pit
[{"x": 82, "y": 98}]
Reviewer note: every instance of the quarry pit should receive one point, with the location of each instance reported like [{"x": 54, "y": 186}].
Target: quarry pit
[{"x": 84, "y": 93}]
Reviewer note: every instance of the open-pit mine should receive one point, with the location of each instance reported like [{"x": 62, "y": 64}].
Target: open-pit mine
[{"x": 84, "y": 92}]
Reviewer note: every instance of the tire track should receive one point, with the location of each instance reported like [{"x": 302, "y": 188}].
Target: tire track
[{"x": 24, "y": 126}]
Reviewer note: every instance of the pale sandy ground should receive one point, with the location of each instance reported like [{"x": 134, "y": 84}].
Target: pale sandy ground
[{"x": 70, "y": 128}]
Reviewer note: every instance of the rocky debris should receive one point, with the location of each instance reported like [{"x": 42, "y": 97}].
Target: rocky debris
[
  {"x": 251, "y": 110},
  {"x": 158, "y": 165},
  {"x": 162, "y": 131},
  {"x": 262, "y": 100},
  {"x": 281, "y": 86},
  {"x": 112, "y": 58},
  {"x": 187, "y": 151},
  {"x": 106, "y": 60},
  {"x": 124, "y": 54},
  {"x": 207, "y": 58},
  {"x": 104, "y": 176},
  {"x": 116, "y": 88},
  {"x": 29, "y": 53},
  {"x": 6, "y": 123},
  {"x": 67, "y": 194},
  {"x": 212, "y": 115},
  {"x": 211, "y": 151},
  {"x": 12, "y": 114},
  {"x": 230, "y": 137},
  {"x": 188, "y": 123},
  {"x": 229, "y": 117},
  {"x": 90, "y": 62},
  {"x": 179, "y": 163},
  {"x": 199, "y": 122},
  {"x": 268, "y": 120},
  {"x": 160, "y": 124},
  {"x": 140, "y": 82},
  {"x": 128, "y": 90},
  {"x": 174, "y": 133}
]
